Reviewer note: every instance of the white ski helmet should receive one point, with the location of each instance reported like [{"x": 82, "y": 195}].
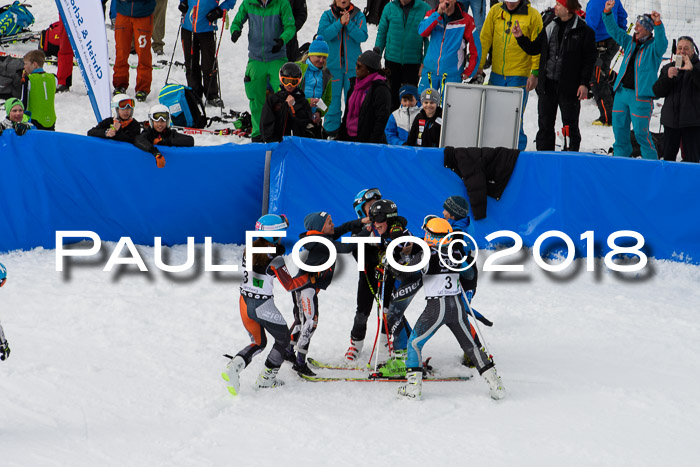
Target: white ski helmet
[
  {"x": 123, "y": 101},
  {"x": 159, "y": 112}
]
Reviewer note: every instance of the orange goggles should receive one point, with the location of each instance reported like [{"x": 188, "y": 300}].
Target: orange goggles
[
  {"x": 289, "y": 81},
  {"x": 126, "y": 104}
]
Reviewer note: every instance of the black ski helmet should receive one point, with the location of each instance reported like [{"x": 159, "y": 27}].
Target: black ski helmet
[
  {"x": 383, "y": 210},
  {"x": 290, "y": 70}
]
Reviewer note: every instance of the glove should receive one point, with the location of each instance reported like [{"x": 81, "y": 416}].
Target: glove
[
  {"x": 395, "y": 231},
  {"x": 21, "y": 128},
  {"x": 235, "y": 35},
  {"x": 160, "y": 160},
  {"x": 183, "y": 7},
  {"x": 278, "y": 45},
  {"x": 215, "y": 14},
  {"x": 478, "y": 79},
  {"x": 275, "y": 265}
]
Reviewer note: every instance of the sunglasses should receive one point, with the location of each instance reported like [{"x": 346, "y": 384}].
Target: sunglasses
[
  {"x": 289, "y": 81},
  {"x": 160, "y": 117},
  {"x": 510, "y": 23},
  {"x": 126, "y": 104}
]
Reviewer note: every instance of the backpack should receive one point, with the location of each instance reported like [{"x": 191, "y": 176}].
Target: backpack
[
  {"x": 11, "y": 69},
  {"x": 51, "y": 39},
  {"x": 373, "y": 10},
  {"x": 186, "y": 109},
  {"x": 14, "y": 18}
]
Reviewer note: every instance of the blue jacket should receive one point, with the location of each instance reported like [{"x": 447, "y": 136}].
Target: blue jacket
[
  {"x": 594, "y": 18},
  {"x": 135, "y": 8},
  {"x": 647, "y": 60},
  {"x": 343, "y": 41},
  {"x": 464, "y": 225},
  {"x": 195, "y": 19},
  {"x": 399, "y": 124}
]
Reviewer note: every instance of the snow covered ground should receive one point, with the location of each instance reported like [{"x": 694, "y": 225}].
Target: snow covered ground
[{"x": 123, "y": 368}]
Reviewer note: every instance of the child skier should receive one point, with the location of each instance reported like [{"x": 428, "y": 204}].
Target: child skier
[
  {"x": 158, "y": 132},
  {"x": 39, "y": 90},
  {"x": 425, "y": 131},
  {"x": 258, "y": 310},
  {"x": 4, "y": 346},
  {"x": 401, "y": 120},
  {"x": 16, "y": 119},
  {"x": 123, "y": 126},
  {"x": 287, "y": 111},
  {"x": 444, "y": 305}
]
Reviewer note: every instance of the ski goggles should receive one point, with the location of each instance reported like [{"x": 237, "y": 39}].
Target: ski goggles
[
  {"x": 161, "y": 117},
  {"x": 381, "y": 216},
  {"x": 126, "y": 104},
  {"x": 290, "y": 81},
  {"x": 373, "y": 193}
]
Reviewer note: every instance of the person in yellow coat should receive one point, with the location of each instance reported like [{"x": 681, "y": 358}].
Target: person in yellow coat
[{"x": 511, "y": 67}]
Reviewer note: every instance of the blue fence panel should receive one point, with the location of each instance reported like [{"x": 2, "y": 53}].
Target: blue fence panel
[{"x": 55, "y": 181}]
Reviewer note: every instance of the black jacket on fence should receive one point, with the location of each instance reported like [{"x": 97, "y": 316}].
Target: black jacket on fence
[
  {"x": 682, "y": 104},
  {"x": 578, "y": 59},
  {"x": 484, "y": 171},
  {"x": 374, "y": 113}
]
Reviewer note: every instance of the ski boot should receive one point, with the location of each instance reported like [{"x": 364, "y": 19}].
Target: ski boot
[
  {"x": 354, "y": 350},
  {"x": 496, "y": 389},
  {"x": 268, "y": 378},
  {"x": 232, "y": 374},
  {"x": 301, "y": 367},
  {"x": 395, "y": 367},
  {"x": 414, "y": 384}
]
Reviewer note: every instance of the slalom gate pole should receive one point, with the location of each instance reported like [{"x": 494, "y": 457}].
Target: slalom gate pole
[
  {"x": 172, "y": 56},
  {"x": 476, "y": 324},
  {"x": 216, "y": 66}
]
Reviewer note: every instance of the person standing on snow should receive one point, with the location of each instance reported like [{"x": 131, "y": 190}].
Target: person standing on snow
[
  {"x": 134, "y": 25},
  {"x": 634, "y": 96},
  {"x": 271, "y": 26},
  {"x": 286, "y": 112}
]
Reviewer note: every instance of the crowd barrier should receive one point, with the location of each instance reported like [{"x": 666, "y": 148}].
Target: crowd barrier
[{"x": 54, "y": 181}]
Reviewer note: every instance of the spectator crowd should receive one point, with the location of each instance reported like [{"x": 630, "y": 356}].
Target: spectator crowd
[{"x": 338, "y": 87}]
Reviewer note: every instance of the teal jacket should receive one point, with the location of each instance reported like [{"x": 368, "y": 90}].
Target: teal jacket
[
  {"x": 647, "y": 60},
  {"x": 343, "y": 41},
  {"x": 267, "y": 23},
  {"x": 397, "y": 33}
]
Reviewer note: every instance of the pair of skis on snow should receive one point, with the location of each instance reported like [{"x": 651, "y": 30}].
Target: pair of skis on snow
[{"x": 371, "y": 376}]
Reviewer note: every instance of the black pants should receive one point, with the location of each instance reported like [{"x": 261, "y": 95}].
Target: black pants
[
  {"x": 601, "y": 87},
  {"x": 689, "y": 137},
  {"x": 293, "y": 49},
  {"x": 200, "y": 49},
  {"x": 365, "y": 300},
  {"x": 570, "y": 108},
  {"x": 400, "y": 75}
]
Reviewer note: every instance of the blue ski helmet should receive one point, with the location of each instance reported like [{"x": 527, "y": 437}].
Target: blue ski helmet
[
  {"x": 272, "y": 222},
  {"x": 362, "y": 197},
  {"x": 3, "y": 274}
]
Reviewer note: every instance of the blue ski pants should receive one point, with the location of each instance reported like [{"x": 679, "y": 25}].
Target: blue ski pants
[
  {"x": 340, "y": 85},
  {"x": 629, "y": 109}
]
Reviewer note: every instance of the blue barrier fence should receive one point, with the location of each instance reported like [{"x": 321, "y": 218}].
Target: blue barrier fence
[{"x": 54, "y": 181}]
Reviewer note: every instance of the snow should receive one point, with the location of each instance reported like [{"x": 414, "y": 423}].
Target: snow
[{"x": 123, "y": 368}]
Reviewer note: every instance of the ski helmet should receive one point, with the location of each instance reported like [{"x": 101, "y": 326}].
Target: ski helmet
[
  {"x": 3, "y": 274},
  {"x": 123, "y": 101},
  {"x": 290, "y": 74},
  {"x": 436, "y": 228},
  {"x": 272, "y": 222},
  {"x": 383, "y": 211},
  {"x": 361, "y": 199},
  {"x": 159, "y": 112}
]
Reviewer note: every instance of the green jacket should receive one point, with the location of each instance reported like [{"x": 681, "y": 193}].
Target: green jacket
[
  {"x": 273, "y": 21},
  {"x": 326, "y": 79},
  {"x": 397, "y": 34},
  {"x": 40, "y": 102}
]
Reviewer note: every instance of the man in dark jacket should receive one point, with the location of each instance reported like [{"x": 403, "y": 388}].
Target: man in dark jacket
[
  {"x": 568, "y": 51},
  {"x": 300, "y": 15},
  {"x": 287, "y": 111},
  {"x": 680, "y": 114}
]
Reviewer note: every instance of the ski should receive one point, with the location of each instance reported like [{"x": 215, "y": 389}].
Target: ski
[
  {"x": 27, "y": 36},
  {"x": 215, "y": 132},
  {"x": 370, "y": 378},
  {"x": 330, "y": 366}
]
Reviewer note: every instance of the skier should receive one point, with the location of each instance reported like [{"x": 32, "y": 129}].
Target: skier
[
  {"x": 258, "y": 310},
  {"x": 443, "y": 306},
  {"x": 158, "y": 132},
  {"x": 426, "y": 128},
  {"x": 123, "y": 126},
  {"x": 4, "y": 346},
  {"x": 286, "y": 112}
]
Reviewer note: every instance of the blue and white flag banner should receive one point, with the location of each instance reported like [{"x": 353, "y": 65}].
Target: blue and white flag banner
[{"x": 85, "y": 24}]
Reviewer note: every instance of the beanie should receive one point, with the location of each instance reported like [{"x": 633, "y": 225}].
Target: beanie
[
  {"x": 371, "y": 59},
  {"x": 11, "y": 102},
  {"x": 319, "y": 47},
  {"x": 430, "y": 94},
  {"x": 408, "y": 89},
  {"x": 646, "y": 22},
  {"x": 457, "y": 207},
  {"x": 315, "y": 220}
]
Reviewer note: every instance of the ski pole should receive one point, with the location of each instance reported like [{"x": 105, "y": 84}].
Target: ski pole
[
  {"x": 380, "y": 311},
  {"x": 173, "y": 54},
  {"x": 216, "y": 67},
  {"x": 374, "y": 294},
  {"x": 476, "y": 324}
]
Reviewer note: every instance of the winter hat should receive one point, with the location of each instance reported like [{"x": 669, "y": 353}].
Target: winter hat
[
  {"x": 646, "y": 22},
  {"x": 430, "y": 94},
  {"x": 315, "y": 220},
  {"x": 11, "y": 102},
  {"x": 372, "y": 59},
  {"x": 457, "y": 207},
  {"x": 408, "y": 89},
  {"x": 319, "y": 47}
]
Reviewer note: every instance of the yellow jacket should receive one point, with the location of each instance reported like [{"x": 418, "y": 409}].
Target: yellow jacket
[{"x": 508, "y": 58}]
